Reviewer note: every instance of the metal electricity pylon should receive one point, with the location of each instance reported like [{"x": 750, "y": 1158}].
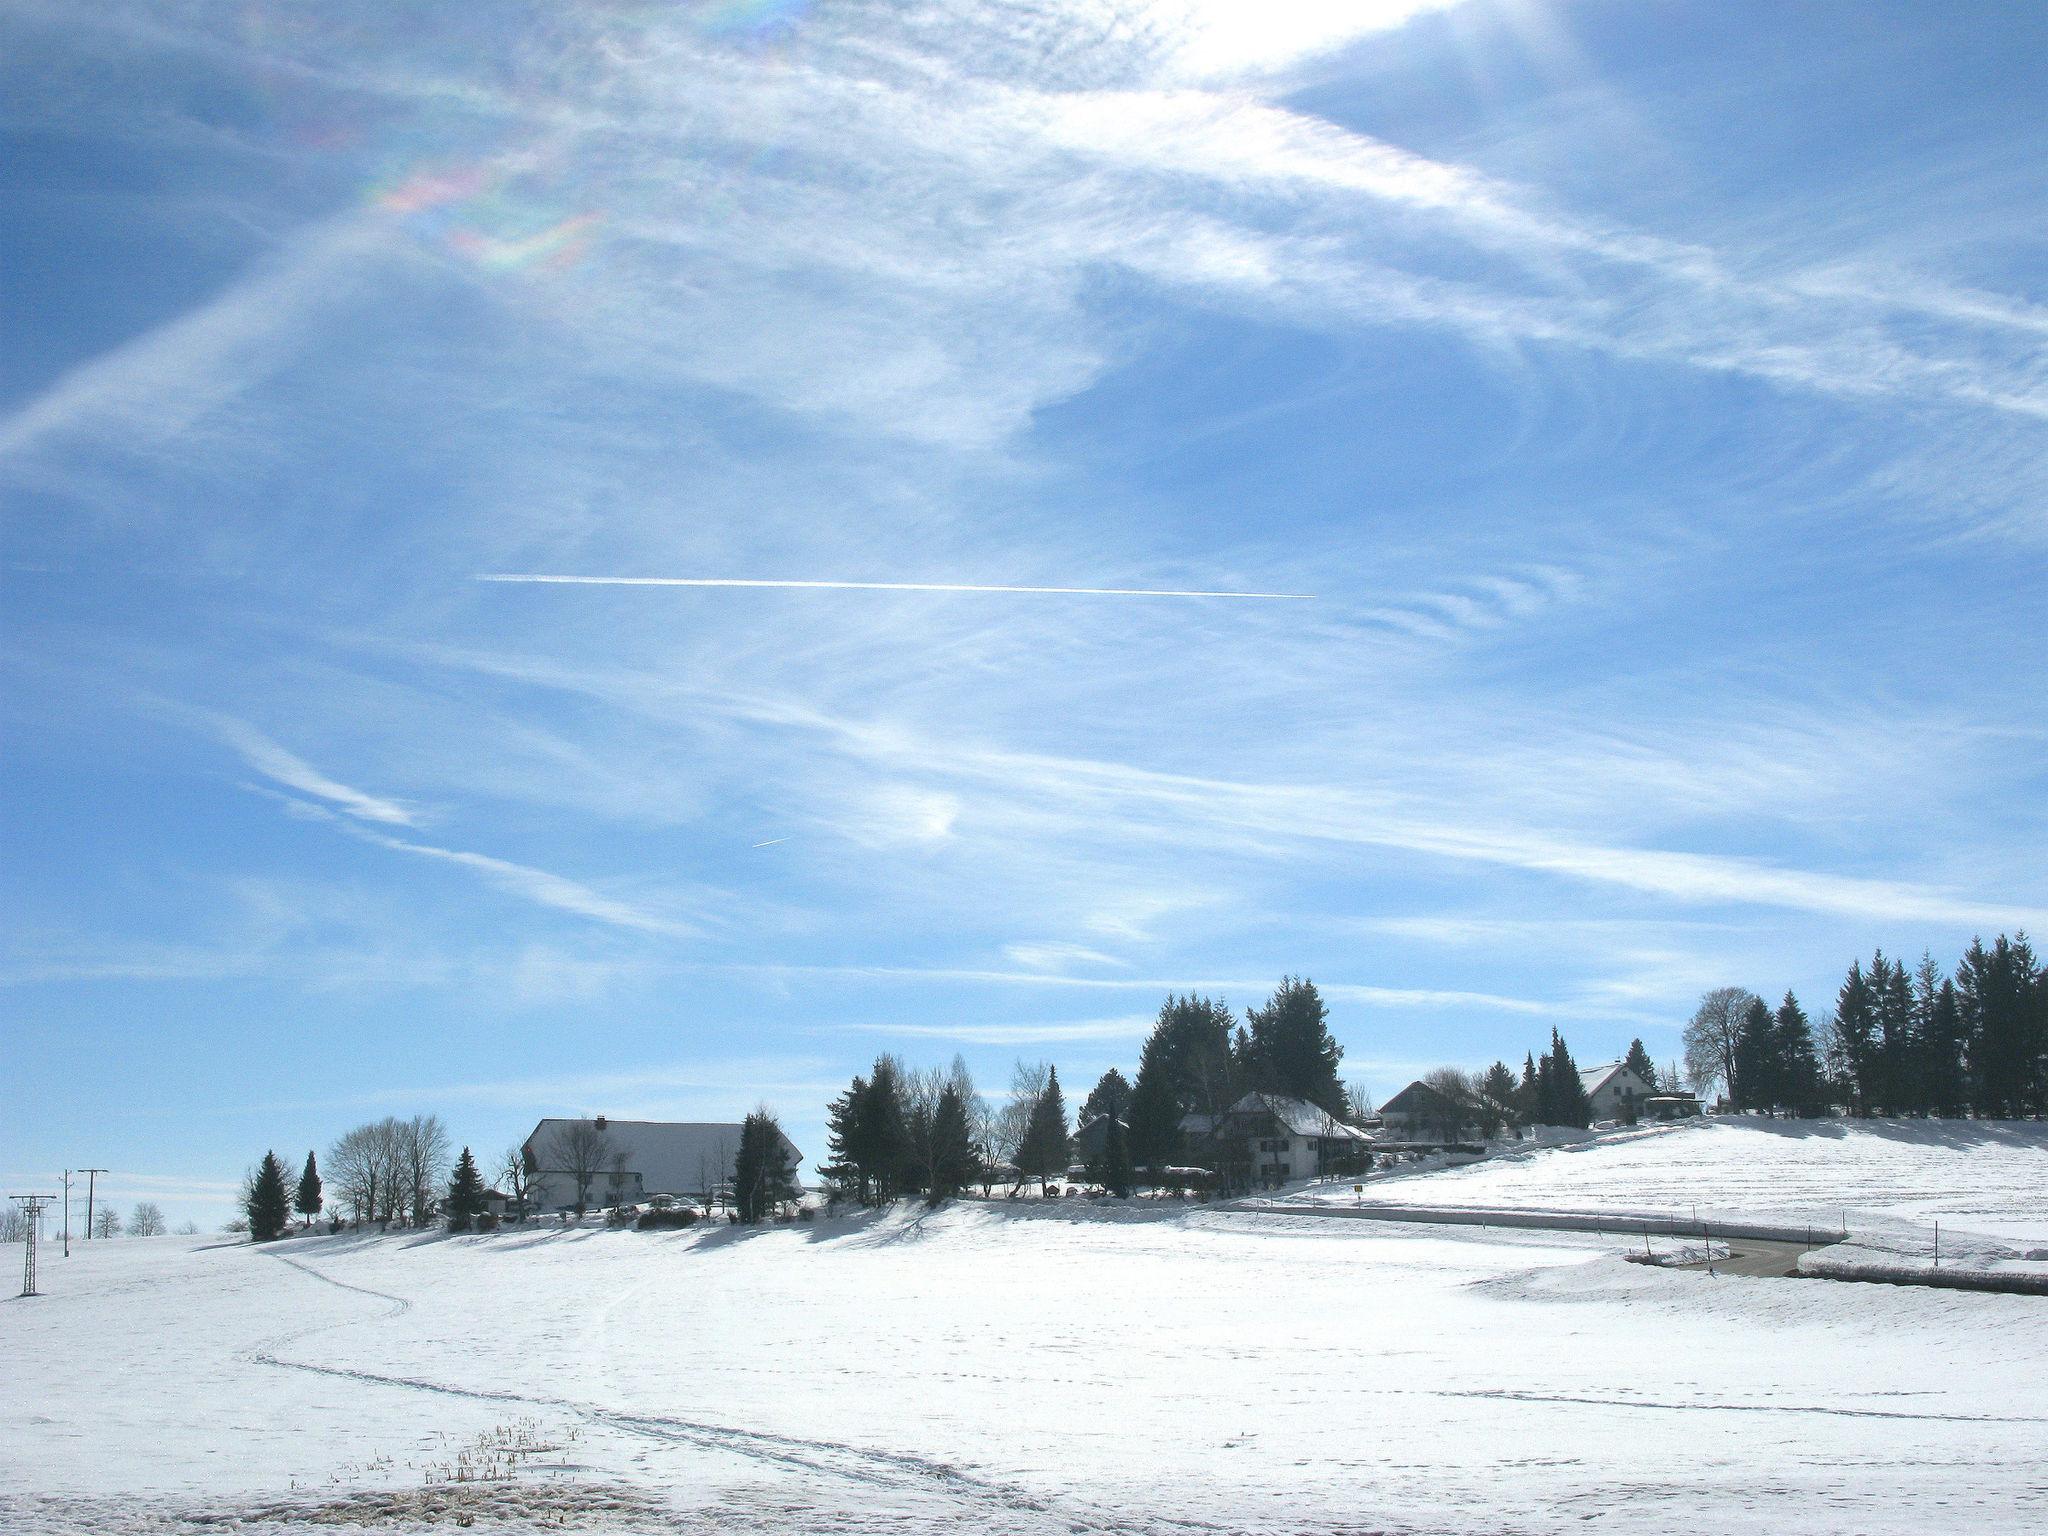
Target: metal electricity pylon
[{"x": 32, "y": 1208}]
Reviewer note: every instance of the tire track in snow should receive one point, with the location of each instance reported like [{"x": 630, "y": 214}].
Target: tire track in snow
[{"x": 896, "y": 1471}]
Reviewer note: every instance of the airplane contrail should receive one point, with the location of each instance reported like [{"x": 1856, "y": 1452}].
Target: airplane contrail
[
  {"x": 771, "y": 842},
  {"x": 879, "y": 586}
]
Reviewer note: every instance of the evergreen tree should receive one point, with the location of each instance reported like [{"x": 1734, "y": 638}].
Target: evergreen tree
[
  {"x": 268, "y": 1205},
  {"x": 1944, "y": 1046},
  {"x": 1638, "y": 1061},
  {"x": 1854, "y": 1038},
  {"x": 1568, "y": 1092},
  {"x": 1498, "y": 1095},
  {"x": 1187, "y": 1067},
  {"x": 1291, "y": 1051},
  {"x": 1111, "y": 1165},
  {"x": 763, "y": 1176},
  {"x": 1042, "y": 1155},
  {"x": 1795, "y": 1063},
  {"x": 953, "y": 1164},
  {"x": 306, "y": 1198},
  {"x": 1111, "y": 1095},
  {"x": 1898, "y": 1066},
  {"x": 1548, "y": 1111},
  {"x": 1755, "y": 1083},
  {"x": 1999, "y": 994},
  {"x": 884, "y": 1138},
  {"x": 844, "y": 1173},
  {"x": 465, "y": 1193},
  {"x": 1527, "y": 1097}
]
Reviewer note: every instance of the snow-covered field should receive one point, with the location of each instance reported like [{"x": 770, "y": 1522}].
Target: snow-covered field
[
  {"x": 1027, "y": 1368},
  {"x": 1894, "y": 1176}
]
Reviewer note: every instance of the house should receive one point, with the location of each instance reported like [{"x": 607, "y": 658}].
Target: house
[
  {"x": 622, "y": 1162},
  {"x": 1091, "y": 1139},
  {"x": 1422, "y": 1113},
  {"x": 1615, "y": 1092},
  {"x": 1268, "y": 1138}
]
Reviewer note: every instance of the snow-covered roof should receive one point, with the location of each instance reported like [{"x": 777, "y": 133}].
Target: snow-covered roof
[
  {"x": 1593, "y": 1079},
  {"x": 1299, "y": 1116},
  {"x": 1418, "y": 1098},
  {"x": 671, "y": 1157}
]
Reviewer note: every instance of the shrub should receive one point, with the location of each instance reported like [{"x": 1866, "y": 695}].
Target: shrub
[
  {"x": 679, "y": 1216},
  {"x": 486, "y": 1221}
]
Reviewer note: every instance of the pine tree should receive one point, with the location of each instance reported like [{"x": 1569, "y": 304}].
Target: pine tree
[
  {"x": 1898, "y": 1066},
  {"x": 1548, "y": 1110},
  {"x": 465, "y": 1194},
  {"x": 1999, "y": 994},
  {"x": 1755, "y": 1083},
  {"x": 842, "y": 1136},
  {"x": 1292, "y": 1052},
  {"x": 1498, "y": 1093},
  {"x": 1043, "y": 1153},
  {"x": 1796, "y": 1064},
  {"x": 953, "y": 1162},
  {"x": 1638, "y": 1061},
  {"x": 269, "y": 1202},
  {"x": 763, "y": 1176},
  {"x": 1854, "y": 1038},
  {"x": 884, "y": 1133},
  {"x": 1187, "y": 1067},
  {"x": 1568, "y": 1092},
  {"x": 306, "y": 1199},
  {"x": 1114, "y": 1171},
  {"x": 1527, "y": 1096},
  {"x": 1111, "y": 1095}
]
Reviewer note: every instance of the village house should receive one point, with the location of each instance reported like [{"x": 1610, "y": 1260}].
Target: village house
[
  {"x": 1420, "y": 1113},
  {"x": 1268, "y": 1138},
  {"x": 623, "y": 1162},
  {"x": 1616, "y": 1092}
]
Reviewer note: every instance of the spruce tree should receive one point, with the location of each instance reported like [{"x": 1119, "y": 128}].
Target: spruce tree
[
  {"x": 1797, "y": 1065},
  {"x": 1638, "y": 1061},
  {"x": 763, "y": 1176},
  {"x": 1498, "y": 1092},
  {"x": 884, "y": 1131},
  {"x": 953, "y": 1162},
  {"x": 1111, "y": 1167},
  {"x": 1111, "y": 1095},
  {"x": 842, "y": 1137},
  {"x": 1567, "y": 1091},
  {"x": 1187, "y": 1066},
  {"x": 306, "y": 1199},
  {"x": 465, "y": 1194},
  {"x": 1854, "y": 1037},
  {"x": 269, "y": 1203},
  {"x": 1898, "y": 1066},
  {"x": 1528, "y": 1099},
  {"x": 1291, "y": 1051},
  {"x": 1755, "y": 1082},
  {"x": 1042, "y": 1155}
]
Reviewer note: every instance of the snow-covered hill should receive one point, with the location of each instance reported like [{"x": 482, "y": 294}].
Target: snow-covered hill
[
  {"x": 1979, "y": 1176},
  {"x": 1016, "y": 1369}
]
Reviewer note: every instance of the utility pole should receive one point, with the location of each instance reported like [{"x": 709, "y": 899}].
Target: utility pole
[
  {"x": 32, "y": 1207},
  {"x": 67, "y": 1213},
  {"x": 91, "y": 1180}
]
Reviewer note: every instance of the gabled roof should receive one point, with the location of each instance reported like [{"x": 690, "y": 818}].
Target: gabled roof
[
  {"x": 1299, "y": 1116},
  {"x": 671, "y": 1157},
  {"x": 1419, "y": 1098},
  {"x": 1593, "y": 1079}
]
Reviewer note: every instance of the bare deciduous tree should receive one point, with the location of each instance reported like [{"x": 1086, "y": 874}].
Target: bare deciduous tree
[
  {"x": 1358, "y": 1103},
  {"x": 146, "y": 1220},
  {"x": 1710, "y": 1037},
  {"x": 106, "y": 1223},
  {"x": 423, "y": 1165},
  {"x": 516, "y": 1177},
  {"x": 1013, "y": 1120},
  {"x": 582, "y": 1151}
]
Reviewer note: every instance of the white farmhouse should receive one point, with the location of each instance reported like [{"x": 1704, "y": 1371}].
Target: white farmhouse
[
  {"x": 1615, "y": 1091},
  {"x": 610, "y": 1162}
]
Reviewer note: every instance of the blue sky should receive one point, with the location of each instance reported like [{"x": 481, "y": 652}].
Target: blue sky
[{"x": 1653, "y": 399}]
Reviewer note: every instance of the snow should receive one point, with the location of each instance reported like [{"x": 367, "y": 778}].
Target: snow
[
  {"x": 1895, "y": 1176},
  {"x": 1005, "y": 1367}
]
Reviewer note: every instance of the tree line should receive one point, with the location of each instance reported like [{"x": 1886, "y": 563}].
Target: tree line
[{"x": 1896, "y": 1043}]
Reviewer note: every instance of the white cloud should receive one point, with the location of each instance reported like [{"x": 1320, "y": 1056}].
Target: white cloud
[{"x": 293, "y": 772}]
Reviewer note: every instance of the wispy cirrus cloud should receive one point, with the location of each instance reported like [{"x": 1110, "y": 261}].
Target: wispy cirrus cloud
[{"x": 292, "y": 772}]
